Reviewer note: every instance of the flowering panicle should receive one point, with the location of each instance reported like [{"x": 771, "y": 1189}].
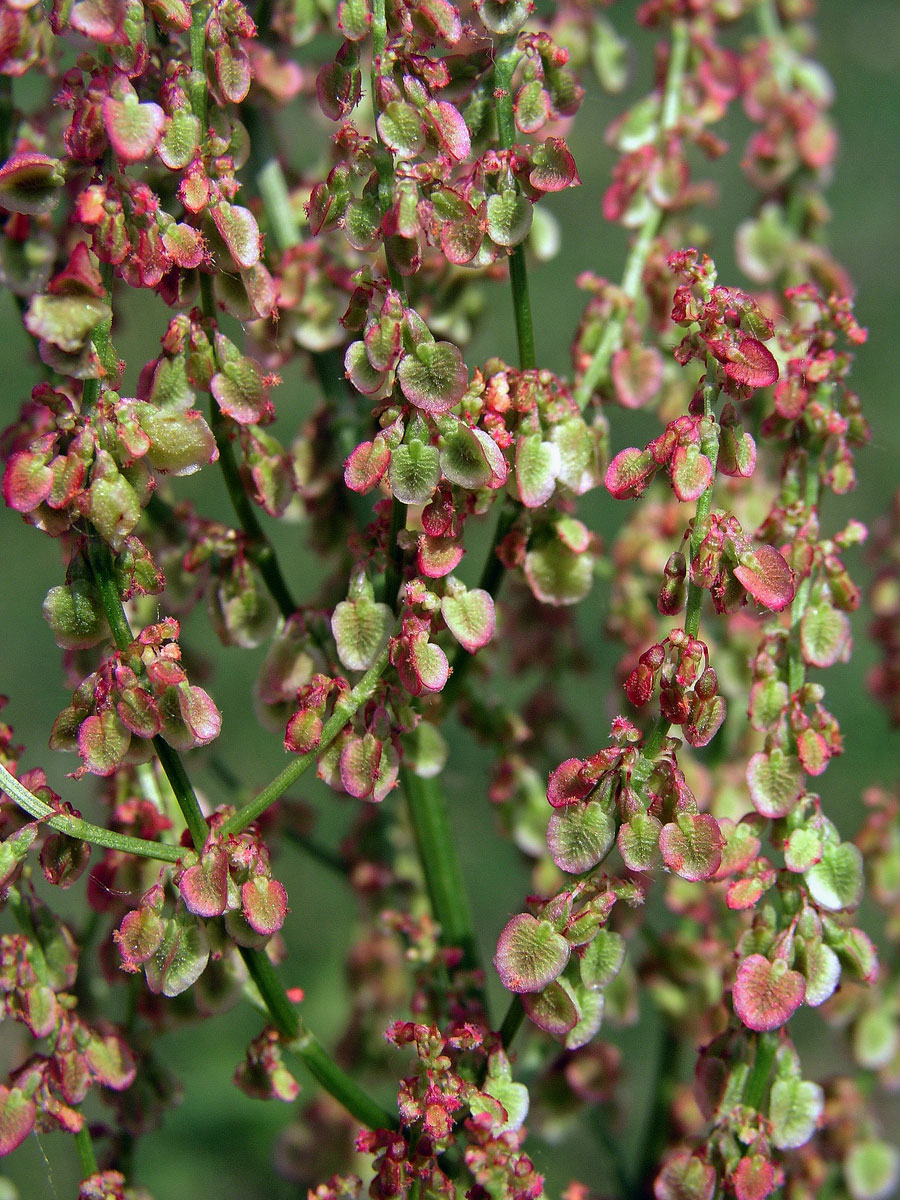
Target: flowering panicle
[{"x": 315, "y": 354}]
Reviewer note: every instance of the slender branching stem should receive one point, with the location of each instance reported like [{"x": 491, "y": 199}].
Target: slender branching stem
[
  {"x": 274, "y": 997},
  {"x": 393, "y": 572},
  {"x": 259, "y": 548},
  {"x": 492, "y": 576},
  {"x": 339, "y": 1084},
  {"x": 505, "y": 61},
  {"x": 196, "y": 84},
  {"x": 632, "y": 277},
  {"x": 263, "y": 974},
  {"x": 7, "y": 114},
  {"x": 701, "y": 516},
  {"x": 324, "y": 855},
  {"x": 22, "y": 915},
  {"x": 612, "y": 1148},
  {"x": 796, "y": 669},
  {"x": 100, "y": 561},
  {"x": 518, "y": 278},
  {"x": 282, "y": 1012},
  {"x": 101, "y": 565},
  {"x": 761, "y": 1071},
  {"x": 447, "y": 894},
  {"x": 653, "y": 743},
  {"x": 768, "y": 23},
  {"x": 83, "y": 830},
  {"x": 655, "y": 1132},
  {"x": 512, "y": 1021},
  {"x": 309, "y": 1049},
  {"x": 171, "y": 763},
  {"x": 86, "y": 1156},
  {"x": 425, "y": 799},
  {"x": 385, "y": 166},
  {"x": 384, "y": 159},
  {"x": 277, "y": 202},
  {"x": 344, "y": 710}
]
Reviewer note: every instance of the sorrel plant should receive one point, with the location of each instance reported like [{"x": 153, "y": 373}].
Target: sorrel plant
[{"x": 343, "y": 195}]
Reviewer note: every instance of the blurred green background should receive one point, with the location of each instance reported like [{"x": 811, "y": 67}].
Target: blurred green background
[{"x": 219, "y": 1143}]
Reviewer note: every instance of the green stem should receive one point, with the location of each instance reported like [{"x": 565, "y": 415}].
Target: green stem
[
  {"x": 101, "y": 335},
  {"x": 259, "y": 548},
  {"x": 512, "y": 1021},
  {"x": 100, "y": 561},
  {"x": 796, "y": 665},
  {"x": 309, "y": 1049},
  {"x": 518, "y": 278},
  {"x": 323, "y": 855},
  {"x": 430, "y": 821},
  {"x": 393, "y": 574},
  {"x": 86, "y": 1156},
  {"x": 277, "y": 202},
  {"x": 22, "y": 914},
  {"x": 83, "y": 830},
  {"x": 379, "y": 45},
  {"x": 281, "y": 1010},
  {"x": 612, "y": 1147},
  {"x": 767, "y": 20},
  {"x": 678, "y": 56},
  {"x": 612, "y": 335},
  {"x": 327, "y": 364},
  {"x": 348, "y": 426},
  {"x": 492, "y": 576},
  {"x": 761, "y": 1071},
  {"x": 7, "y": 114},
  {"x": 640, "y": 251},
  {"x": 655, "y": 1132},
  {"x": 185, "y": 795},
  {"x": 384, "y": 159},
  {"x": 769, "y": 24},
  {"x": 197, "y": 79},
  {"x": 506, "y": 59},
  {"x": 505, "y": 62},
  {"x": 701, "y": 516},
  {"x": 339, "y": 1084},
  {"x": 343, "y": 712},
  {"x": 426, "y": 803},
  {"x": 654, "y": 741}
]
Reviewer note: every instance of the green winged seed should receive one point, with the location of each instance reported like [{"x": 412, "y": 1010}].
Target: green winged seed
[{"x": 360, "y": 627}]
